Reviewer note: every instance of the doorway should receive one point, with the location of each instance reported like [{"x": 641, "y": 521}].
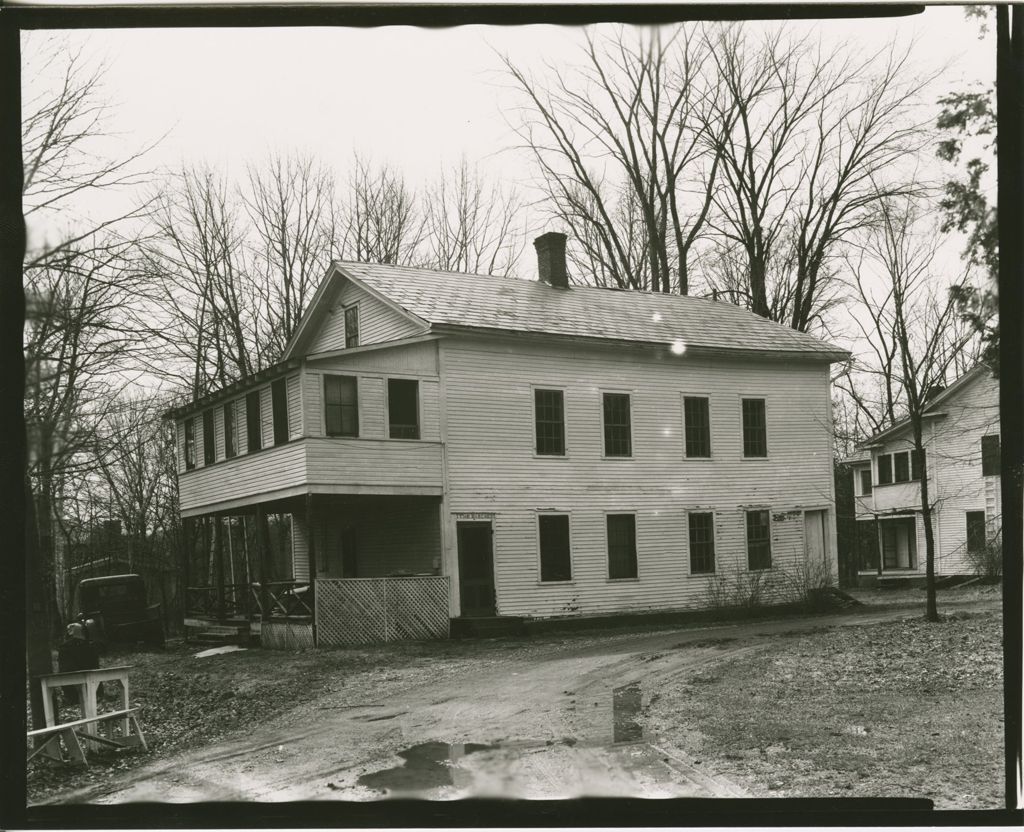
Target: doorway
[
  {"x": 476, "y": 569},
  {"x": 815, "y": 545}
]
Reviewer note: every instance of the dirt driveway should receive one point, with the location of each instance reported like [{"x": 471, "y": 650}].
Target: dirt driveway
[{"x": 565, "y": 720}]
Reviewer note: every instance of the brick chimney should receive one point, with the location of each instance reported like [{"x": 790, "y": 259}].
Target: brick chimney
[{"x": 551, "y": 259}]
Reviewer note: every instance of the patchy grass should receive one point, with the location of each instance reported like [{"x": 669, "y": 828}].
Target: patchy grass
[
  {"x": 917, "y": 595},
  {"x": 903, "y": 709}
]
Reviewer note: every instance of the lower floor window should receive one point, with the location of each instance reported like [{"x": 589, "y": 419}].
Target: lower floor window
[
  {"x": 621, "y": 545},
  {"x": 555, "y": 558},
  {"x": 975, "y": 531},
  {"x": 702, "y": 542},
  {"x": 759, "y": 546}
]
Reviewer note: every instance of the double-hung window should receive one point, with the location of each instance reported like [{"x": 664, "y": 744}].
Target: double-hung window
[
  {"x": 901, "y": 467},
  {"x": 279, "y": 403},
  {"x": 549, "y": 420},
  {"x": 253, "y": 421},
  {"x": 621, "y": 545},
  {"x": 975, "y": 531},
  {"x": 341, "y": 405},
  {"x": 885, "y": 469},
  {"x": 209, "y": 439},
  {"x": 229, "y": 430},
  {"x": 755, "y": 429},
  {"x": 555, "y": 557},
  {"x": 702, "y": 542},
  {"x": 190, "y": 444},
  {"x": 697, "y": 426},
  {"x": 990, "y": 455},
  {"x": 618, "y": 440},
  {"x": 865, "y": 481},
  {"x": 759, "y": 544},
  {"x": 403, "y": 408}
]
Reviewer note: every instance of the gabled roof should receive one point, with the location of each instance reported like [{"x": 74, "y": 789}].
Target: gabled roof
[
  {"x": 454, "y": 301},
  {"x": 933, "y": 408}
]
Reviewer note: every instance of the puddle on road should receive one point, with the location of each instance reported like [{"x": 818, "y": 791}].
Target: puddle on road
[
  {"x": 626, "y": 705},
  {"x": 427, "y": 766}
]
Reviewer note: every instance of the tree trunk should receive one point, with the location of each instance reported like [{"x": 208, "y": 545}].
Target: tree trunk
[
  {"x": 931, "y": 609},
  {"x": 37, "y": 644}
]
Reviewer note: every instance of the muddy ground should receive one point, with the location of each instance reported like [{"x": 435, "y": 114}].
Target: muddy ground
[{"x": 583, "y": 714}]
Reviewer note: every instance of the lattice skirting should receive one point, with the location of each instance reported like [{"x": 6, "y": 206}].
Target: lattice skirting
[
  {"x": 366, "y": 610},
  {"x": 286, "y": 635}
]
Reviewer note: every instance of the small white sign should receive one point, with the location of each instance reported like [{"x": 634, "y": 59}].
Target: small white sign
[{"x": 473, "y": 515}]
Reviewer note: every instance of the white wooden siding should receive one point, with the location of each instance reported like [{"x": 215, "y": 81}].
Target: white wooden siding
[
  {"x": 377, "y": 322},
  {"x": 351, "y": 463},
  {"x": 294, "y": 383},
  {"x": 266, "y": 416},
  {"x": 492, "y": 467},
  {"x": 249, "y": 476}
]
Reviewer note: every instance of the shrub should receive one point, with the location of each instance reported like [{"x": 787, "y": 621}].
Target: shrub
[{"x": 988, "y": 562}]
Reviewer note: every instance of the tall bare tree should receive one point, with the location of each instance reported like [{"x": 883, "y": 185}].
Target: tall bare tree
[
  {"x": 470, "y": 224},
  {"x": 624, "y": 161},
  {"x": 380, "y": 221}
]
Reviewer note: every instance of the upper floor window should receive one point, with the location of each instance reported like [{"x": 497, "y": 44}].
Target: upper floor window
[
  {"x": 550, "y": 422},
  {"x": 351, "y": 326},
  {"x": 341, "y": 405},
  {"x": 697, "y": 426},
  {"x": 209, "y": 439},
  {"x": 755, "y": 429},
  {"x": 229, "y": 430},
  {"x": 976, "y": 531},
  {"x": 621, "y": 545},
  {"x": 617, "y": 431},
  {"x": 190, "y": 444},
  {"x": 990, "y": 455},
  {"x": 702, "y": 542},
  {"x": 403, "y": 408},
  {"x": 865, "y": 481},
  {"x": 884, "y": 469},
  {"x": 279, "y": 405},
  {"x": 555, "y": 555},
  {"x": 759, "y": 544},
  {"x": 901, "y": 466},
  {"x": 253, "y": 421},
  {"x": 916, "y": 464}
]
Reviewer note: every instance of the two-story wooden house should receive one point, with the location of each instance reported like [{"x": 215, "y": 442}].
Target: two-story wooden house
[
  {"x": 961, "y": 444},
  {"x": 523, "y": 448}
]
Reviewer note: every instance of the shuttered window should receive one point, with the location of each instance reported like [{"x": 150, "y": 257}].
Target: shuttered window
[
  {"x": 403, "y": 408},
  {"x": 555, "y": 558},
  {"x": 209, "y": 439},
  {"x": 617, "y": 438},
  {"x": 229, "y": 430},
  {"x": 702, "y": 542},
  {"x": 279, "y": 401},
  {"x": 975, "y": 531},
  {"x": 755, "y": 430},
  {"x": 990, "y": 455},
  {"x": 621, "y": 545},
  {"x": 341, "y": 405},
  {"x": 253, "y": 421},
  {"x": 759, "y": 546},
  {"x": 550, "y": 422},
  {"x": 885, "y": 469},
  {"x": 697, "y": 426},
  {"x": 352, "y": 326},
  {"x": 190, "y": 444}
]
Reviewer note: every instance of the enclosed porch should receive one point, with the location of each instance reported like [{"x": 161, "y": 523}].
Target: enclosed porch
[{"x": 321, "y": 569}]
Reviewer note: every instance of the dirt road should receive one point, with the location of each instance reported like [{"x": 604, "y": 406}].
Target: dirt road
[{"x": 564, "y": 720}]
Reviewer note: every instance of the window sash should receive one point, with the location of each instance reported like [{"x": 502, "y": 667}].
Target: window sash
[
  {"x": 990, "y": 455},
  {"x": 341, "y": 405},
  {"x": 755, "y": 429},
  {"x": 618, "y": 440},
  {"x": 403, "y": 408},
  {"x": 279, "y": 403},
  {"x": 253, "y": 421},
  {"x": 885, "y": 469},
  {"x": 759, "y": 547},
  {"x": 697, "y": 426},
  {"x": 351, "y": 326},
  {"x": 621, "y": 529},
  {"x": 229, "y": 430},
  {"x": 209, "y": 439},
  {"x": 190, "y": 444},
  {"x": 702, "y": 542},
  {"x": 976, "y": 532},
  {"x": 549, "y": 417},
  {"x": 555, "y": 547}
]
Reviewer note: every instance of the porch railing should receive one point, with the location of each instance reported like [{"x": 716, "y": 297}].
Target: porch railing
[
  {"x": 365, "y": 610},
  {"x": 284, "y": 599}
]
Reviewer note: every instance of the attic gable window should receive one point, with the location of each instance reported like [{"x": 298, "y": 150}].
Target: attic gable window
[
  {"x": 190, "y": 444},
  {"x": 341, "y": 405},
  {"x": 755, "y": 429},
  {"x": 253, "y": 422},
  {"x": 351, "y": 326},
  {"x": 549, "y": 416},
  {"x": 990, "y": 455},
  {"x": 209, "y": 439}
]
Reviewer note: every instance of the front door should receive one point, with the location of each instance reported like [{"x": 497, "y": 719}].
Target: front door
[
  {"x": 814, "y": 536},
  {"x": 476, "y": 569}
]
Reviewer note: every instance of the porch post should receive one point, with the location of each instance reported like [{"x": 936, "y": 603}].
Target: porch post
[
  {"x": 262, "y": 545},
  {"x": 218, "y": 532},
  {"x": 187, "y": 544},
  {"x": 881, "y": 548},
  {"x": 311, "y": 548}
]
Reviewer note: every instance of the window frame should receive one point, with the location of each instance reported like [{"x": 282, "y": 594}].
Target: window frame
[
  {"x": 251, "y": 423},
  {"x": 540, "y": 554},
  {"x": 323, "y": 410},
  {"x": 984, "y": 531},
  {"x": 746, "y": 535},
  {"x": 230, "y": 420},
  {"x": 419, "y": 407},
  {"x": 189, "y": 443},
  {"x": 707, "y": 400},
  {"x": 209, "y": 442},
  {"x": 635, "y": 577},
  {"x": 279, "y": 408},
  {"x": 346, "y": 310},
  {"x": 604, "y": 435},
  {"x": 991, "y": 457},
  {"x": 689, "y": 542},
  {"x": 743, "y": 426},
  {"x": 534, "y": 388}
]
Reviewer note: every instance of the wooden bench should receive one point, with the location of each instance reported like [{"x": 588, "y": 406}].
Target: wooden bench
[{"x": 47, "y": 739}]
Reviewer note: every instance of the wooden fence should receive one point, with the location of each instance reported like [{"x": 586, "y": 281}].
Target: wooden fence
[{"x": 366, "y": 610}]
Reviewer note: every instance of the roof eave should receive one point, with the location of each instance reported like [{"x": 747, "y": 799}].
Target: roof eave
[{"x": 209, "y": 399}]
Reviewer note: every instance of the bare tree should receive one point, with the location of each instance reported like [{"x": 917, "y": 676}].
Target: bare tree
[
  {"x": 623, "y": 157},
  {"x": 471, "y": 225},
  {"x": 910, "y": 318},
  {"x": 805, "y": 138},
  {"x": 380, "y": 220}
]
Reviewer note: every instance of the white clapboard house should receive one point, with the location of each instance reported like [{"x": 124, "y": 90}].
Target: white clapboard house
[
  {"x": 456, "y": 446},
  {"x": 961, "y": 456}
]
